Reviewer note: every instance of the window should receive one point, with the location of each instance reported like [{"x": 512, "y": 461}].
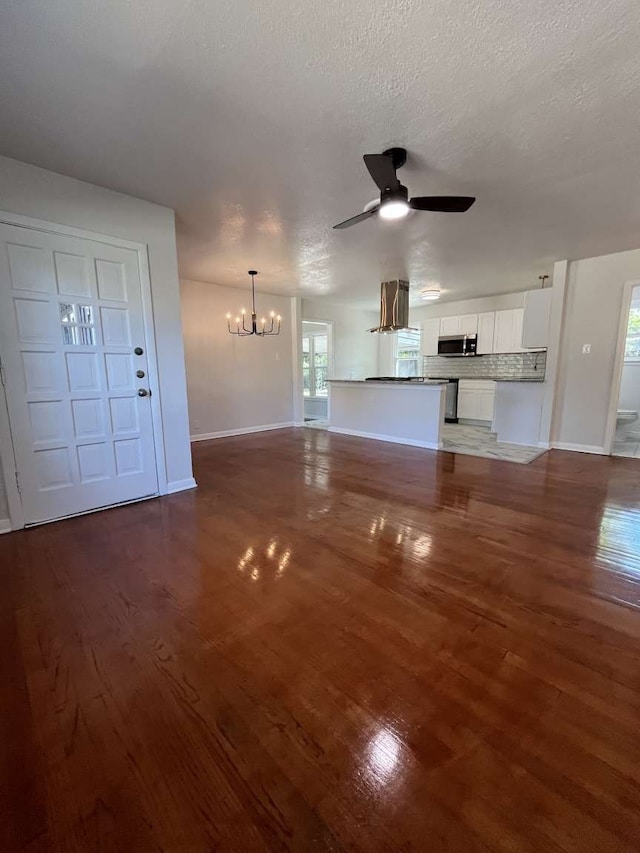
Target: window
[
  {"x": 315, "y": 364},
  {"x": 408, "y": 359},
  {"x": 77, "y": 324},
  {"x": 632, "y": 347}
]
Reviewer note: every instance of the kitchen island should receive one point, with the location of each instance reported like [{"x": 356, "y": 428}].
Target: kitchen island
[{"x": 400, "y": 412}]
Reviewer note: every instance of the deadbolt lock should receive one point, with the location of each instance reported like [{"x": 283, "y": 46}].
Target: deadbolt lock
[
  {"x": 138, "y": 350},
  {"x": 140, "y": 374}
]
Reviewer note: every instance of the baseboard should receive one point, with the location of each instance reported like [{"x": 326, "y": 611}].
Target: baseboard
[
  {"x": 298, "y": 423},
  {"x": 429, "y": 445},
  {"x": 5, "y": 525},
  {"x": 181, "y": 485},
  {"x": 544, "y": 445},
  {"x": 578, "y": 448},
  {"x": 225, "y": 433}
]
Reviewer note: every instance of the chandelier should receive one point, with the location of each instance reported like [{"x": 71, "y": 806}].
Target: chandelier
[{"x": 265, "y": 330}]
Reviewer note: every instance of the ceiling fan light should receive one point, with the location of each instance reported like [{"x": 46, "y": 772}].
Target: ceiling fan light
[
  {"x": 430, "y": 294},
  {"x": 394, "y": 209}
]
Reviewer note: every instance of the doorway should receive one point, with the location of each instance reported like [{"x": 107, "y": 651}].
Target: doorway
[
  {"x": 626, "y": 435},
  {"x": 76, "y": 361},
  {"x": 316, "y": 370}
]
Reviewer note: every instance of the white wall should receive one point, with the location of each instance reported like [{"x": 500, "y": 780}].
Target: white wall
[
  {"x": 234, "y": 384},
  {"x": 355, "y": 350},
  {"x": 592, "y": 314},
  {"x": 40, "y": 194},
  {"x": 314, "y": 328}
]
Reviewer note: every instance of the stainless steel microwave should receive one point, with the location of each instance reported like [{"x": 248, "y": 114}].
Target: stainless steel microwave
[{"x": 457, "y": 345}]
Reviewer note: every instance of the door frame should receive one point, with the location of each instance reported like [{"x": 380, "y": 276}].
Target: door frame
[
  {"x": 618, "y": 365},
  {"x": 7, "y": 453},
  {"x": 329, "y": 325}
]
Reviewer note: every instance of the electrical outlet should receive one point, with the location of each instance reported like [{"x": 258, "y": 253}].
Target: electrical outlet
[{"x": 586, "y": 349}]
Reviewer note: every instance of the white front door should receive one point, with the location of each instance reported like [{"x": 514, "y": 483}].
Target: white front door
[{"x": 74, "y": 362}]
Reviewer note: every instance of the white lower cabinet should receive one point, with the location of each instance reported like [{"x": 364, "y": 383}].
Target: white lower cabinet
[{"x": 476, "y": 398}]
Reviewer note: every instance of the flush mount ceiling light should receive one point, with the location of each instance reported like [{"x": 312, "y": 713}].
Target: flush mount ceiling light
[
  {"x": 430, "y": 294},
  {"x": 394, "y": 197},
  {"x": 264, "y": 330}
]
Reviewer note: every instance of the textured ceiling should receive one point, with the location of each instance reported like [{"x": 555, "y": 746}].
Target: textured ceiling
[{"x": 250, "y": 120}]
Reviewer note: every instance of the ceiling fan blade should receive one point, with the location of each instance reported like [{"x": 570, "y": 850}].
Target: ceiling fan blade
[
  {"x": 359, "y": 218},
  {"x": 442, "y": 203},
  {"x": 381, "y": 169}
]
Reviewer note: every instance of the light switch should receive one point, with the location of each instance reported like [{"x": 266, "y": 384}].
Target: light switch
[{"x": 586, "y": 349}]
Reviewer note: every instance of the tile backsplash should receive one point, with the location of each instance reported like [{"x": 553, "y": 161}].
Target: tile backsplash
[{"x": 514, "y": 366}]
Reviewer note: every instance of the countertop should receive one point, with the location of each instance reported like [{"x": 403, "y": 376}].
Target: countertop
[
  {"x": 494, "y": 379},
  {"x": 425, "y": 383}
]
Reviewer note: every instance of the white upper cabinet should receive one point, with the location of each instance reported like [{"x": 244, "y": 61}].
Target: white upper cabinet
[
  {"x": 459, "y": 324},
  {"x": 503, "y": 331},
  {"x": 430, "y": 334},
  {"x": 511, "y": 330},
  {"x": 518, "y": 320},
  {"x": 468, "y": 324},
  {"x": 537, "y": 311},
  {"x": 486, "y": 326},
  {"x": 450, "y": 326},
  {"x": 507, "y": 335}
]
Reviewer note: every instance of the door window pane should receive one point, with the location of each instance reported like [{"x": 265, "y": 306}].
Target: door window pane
[
  {"x": 320, "y": 364},
  {"x": 77, "y": 323},
  {"x": 315, "y": 365},
  {"x": 306, "y": 367}
]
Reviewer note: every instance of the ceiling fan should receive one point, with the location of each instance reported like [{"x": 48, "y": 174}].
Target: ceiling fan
[{"x": 394, "y": 197}]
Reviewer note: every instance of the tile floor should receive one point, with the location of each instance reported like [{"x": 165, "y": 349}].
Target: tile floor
[
  {"x": 318, "y": 423},
  {"x": 630, "y": 447},
  {"x": 473, "y": 441},
  {"x": 480, "y": 441}
]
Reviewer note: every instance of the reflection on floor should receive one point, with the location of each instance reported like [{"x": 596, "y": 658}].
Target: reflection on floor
[
  {"x": 473, "y": 441},
  {"x": 629, "y": 447},
  {"x": 480, "y": 441},
  {"x": 369, "y": 647}
]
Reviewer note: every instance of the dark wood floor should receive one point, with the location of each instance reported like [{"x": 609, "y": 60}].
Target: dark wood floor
[{"x": 332, "y": 644}]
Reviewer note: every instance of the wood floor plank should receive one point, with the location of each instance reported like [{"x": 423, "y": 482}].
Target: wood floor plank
[{"x": 331, "y": 644}]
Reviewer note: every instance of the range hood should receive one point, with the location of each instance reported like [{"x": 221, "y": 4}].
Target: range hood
[{"x": 394, "y": 306}]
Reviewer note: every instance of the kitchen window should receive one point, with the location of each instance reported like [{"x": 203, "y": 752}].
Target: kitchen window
[
  {"x": 407, "y": 353},
  {"x": 315, "y": 364}
]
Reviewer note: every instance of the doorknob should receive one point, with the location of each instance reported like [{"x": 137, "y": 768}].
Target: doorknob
[
  {"x": 140, "y": 374},
  {"x": 142, "y": 392}
]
